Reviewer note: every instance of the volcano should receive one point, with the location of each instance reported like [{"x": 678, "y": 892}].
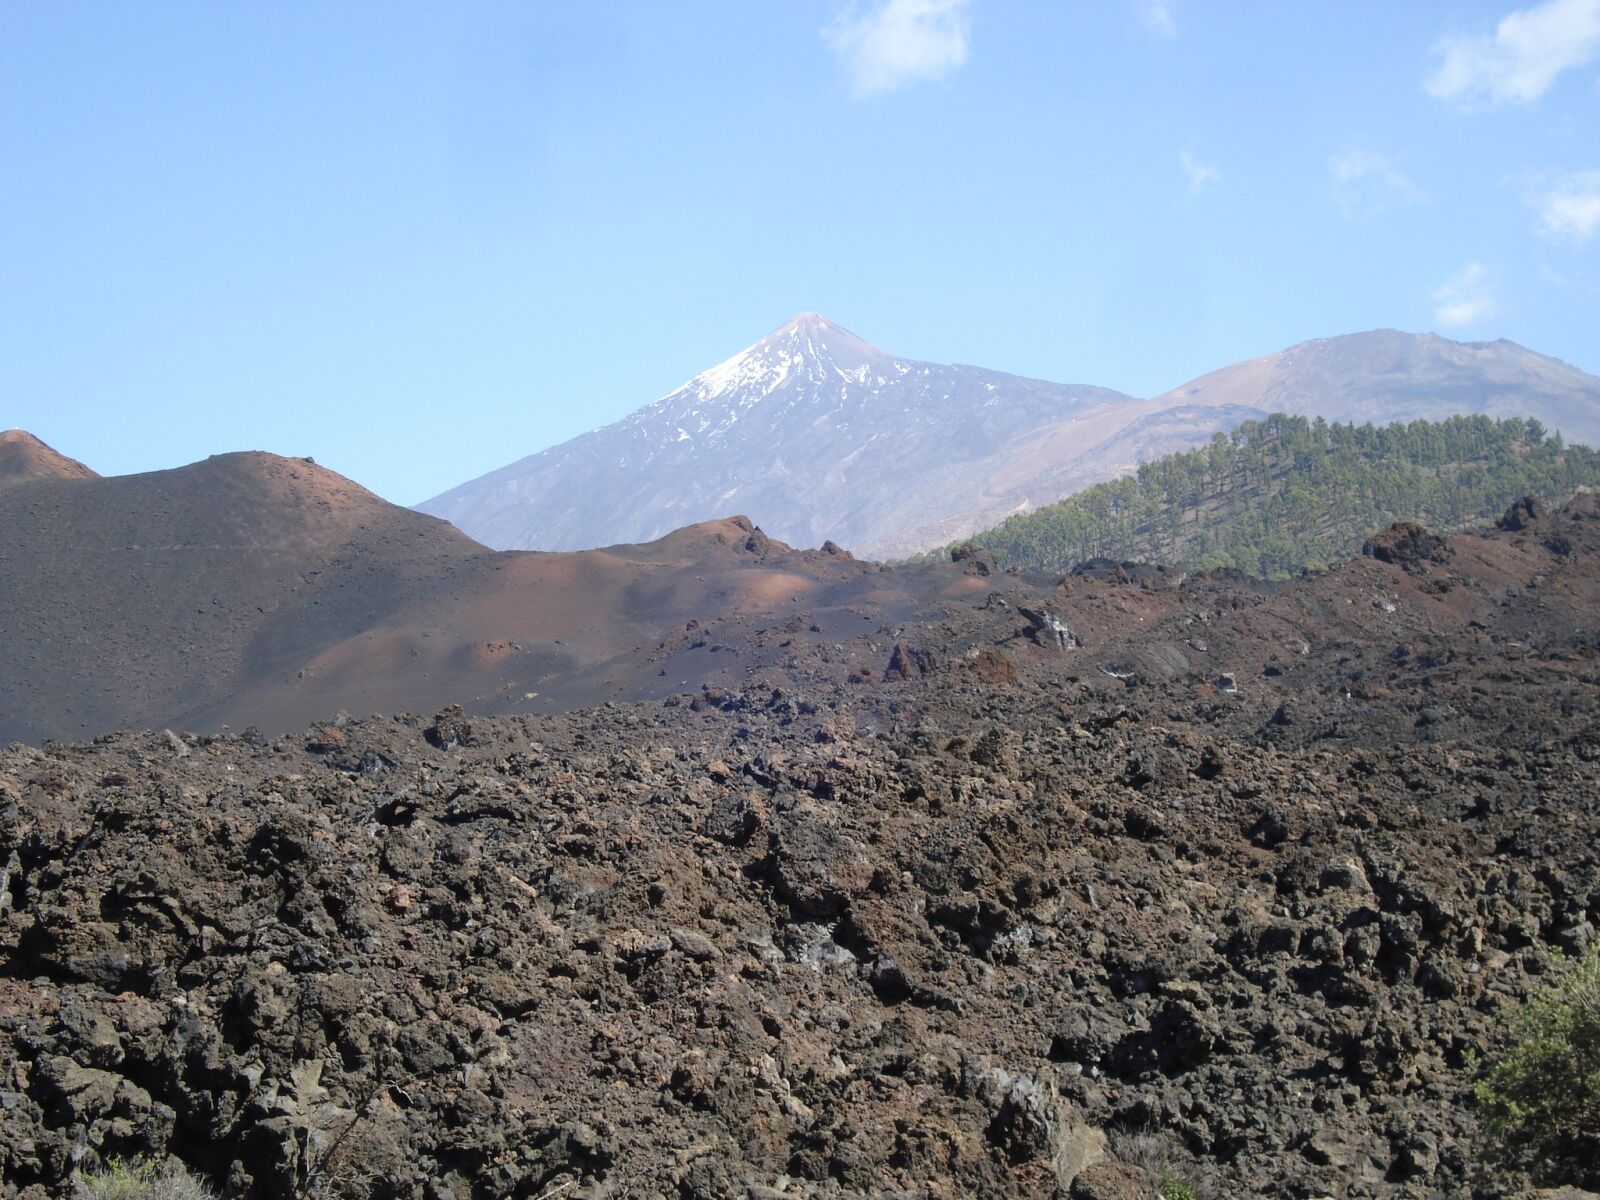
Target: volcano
[{"x": 822, "y": 434}]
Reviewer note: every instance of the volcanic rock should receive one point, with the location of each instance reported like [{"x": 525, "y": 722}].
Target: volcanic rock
[
  {"x": 1528, "y": 511},
  {"x": 1408, "y": 545},
  {"x": 975, "y": 560},
  {"x": 832, "y": 939}
]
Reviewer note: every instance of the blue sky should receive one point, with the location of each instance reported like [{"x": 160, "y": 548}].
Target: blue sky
[{"x": 417, "y": 241}]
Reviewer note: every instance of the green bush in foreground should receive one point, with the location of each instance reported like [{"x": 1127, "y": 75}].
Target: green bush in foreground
[
  {"x": 142, "y": 1179},
  {"x": 1539, "y": 1101}
]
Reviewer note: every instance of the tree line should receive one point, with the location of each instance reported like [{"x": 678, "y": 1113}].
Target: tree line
[{"x": 1286, "y": 494}]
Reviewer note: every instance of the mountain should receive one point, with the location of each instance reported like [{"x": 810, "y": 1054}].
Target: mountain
[
  {"x": 813, "y": 431},
  {"x": 136, "y": 599},
  {"x": 24, "y": 457},
  {"x": 1288, "y": 494},
  {"x": 820, "y": 435},
  {"x": 250, "y": 589},
  {"x": 1385, "y": 375}
]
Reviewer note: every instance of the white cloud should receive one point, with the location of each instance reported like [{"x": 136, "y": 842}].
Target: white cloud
[
  {"x": 1568, "y": 205},
  {"x": 895, "y": 42},
  {"x": 1519, "y": 62},
  {"x": 1200, "y": 174},
  {"x": 1467, "y": 298},
  {"x": 1156, "y": 16},
  {"x": 1367, "y": 179}
]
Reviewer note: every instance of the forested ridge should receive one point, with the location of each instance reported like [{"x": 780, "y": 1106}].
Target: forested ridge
[{"x": 1285, "y": 494}]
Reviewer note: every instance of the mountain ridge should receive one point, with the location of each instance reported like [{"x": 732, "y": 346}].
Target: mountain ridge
[
  {"x": 249, "y": 589},
  {"x": 818, "y": 434},
  {"x": 1387, "y": 375}
]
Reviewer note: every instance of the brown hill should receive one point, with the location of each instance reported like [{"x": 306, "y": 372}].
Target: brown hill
[
  {"x": 25, "y": 457},
  {"x": 255, "y": 590},
  {"x": 133, "y": 600}
]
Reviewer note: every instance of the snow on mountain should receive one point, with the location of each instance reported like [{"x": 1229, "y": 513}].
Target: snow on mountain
[{"x": 812, "y": 431}]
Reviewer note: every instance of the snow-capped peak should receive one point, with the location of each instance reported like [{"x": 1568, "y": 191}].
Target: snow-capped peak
[
  {"x": 812, "y": 321},
  {"x": 810, "y": 423},
  {"x": 806, "y": 347}
]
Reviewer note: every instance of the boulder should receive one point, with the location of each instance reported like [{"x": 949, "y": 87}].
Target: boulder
[
  {"x": 450, "y": 729},
  {"x": 1111, "y": 1181},
  {"x": 975, "y": 559},
  {"x": 1032, "y": 1122},
  {"x": 1049, "y": 630},
  {"x": 813, "y": 866},
  {"x": 906, "y": 662},
  {"x": 1528, "y": 511},
  {"x": 1407, "y": 544}
]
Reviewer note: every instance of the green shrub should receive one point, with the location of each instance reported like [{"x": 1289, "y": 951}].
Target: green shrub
[
  {"x": 141, "y": 1179},
  {"x": 1539, "y": 1100}
]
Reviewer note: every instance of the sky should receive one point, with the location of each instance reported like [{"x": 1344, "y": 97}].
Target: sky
[{"x": 419, "y": 241}]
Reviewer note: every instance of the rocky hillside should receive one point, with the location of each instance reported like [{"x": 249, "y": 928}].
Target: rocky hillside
[
  {"x": 24, "y": 457},
  {"x": 818, "y": 435},
  {"x": 1025, "y": 889}
]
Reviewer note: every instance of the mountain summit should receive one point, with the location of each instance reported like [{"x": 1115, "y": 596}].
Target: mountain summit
[
  {"x": 813, "y": 428},
  {"x": 23, "y": 456},
  {"x": 806, "y": 358},
  {"x": 808, "y": 348}
]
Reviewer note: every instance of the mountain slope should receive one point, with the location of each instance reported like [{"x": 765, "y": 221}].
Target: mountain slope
[
  {"x": 250, "y": 589},
  {"x": 1286, "y": 494},
  {"x": 25, "y": 457},
  {"x": 1385, "y": 375},
  {"x": 813, "y": 431},
  {"x": 130, "y": 599}
]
